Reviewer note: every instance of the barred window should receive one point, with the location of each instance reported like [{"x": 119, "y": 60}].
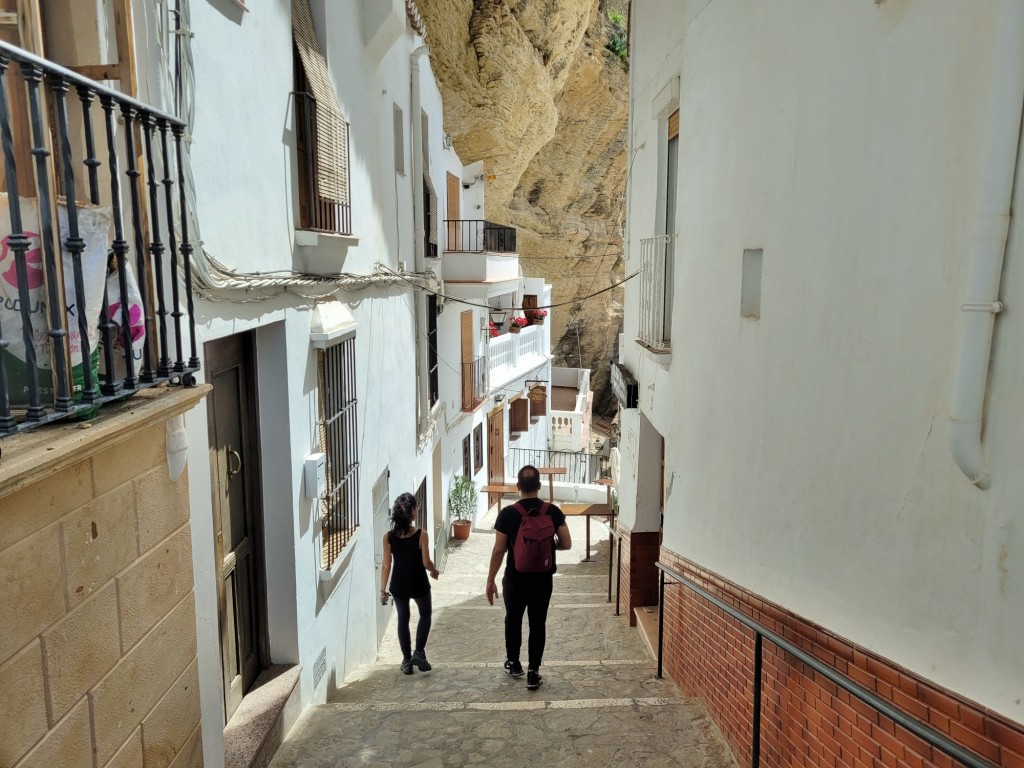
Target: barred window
[
  {"x": 432, "y": 356},
  {"x": 339, "y": 440}
]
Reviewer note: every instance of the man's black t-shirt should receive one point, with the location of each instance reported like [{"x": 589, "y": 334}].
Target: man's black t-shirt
[{"x": 508, "y": 523}]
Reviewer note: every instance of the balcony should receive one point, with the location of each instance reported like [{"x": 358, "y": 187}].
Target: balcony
[
  {"x": 511, "y": 356},
  {"x": 480, "y": 258},
  {"x": 474, "y": 383},
  {"x": 571, "y": 400},
  {"x": 96, "y": 260},
  {"x": 479, "y": 236},
  {"x": 656, "y": 292}
]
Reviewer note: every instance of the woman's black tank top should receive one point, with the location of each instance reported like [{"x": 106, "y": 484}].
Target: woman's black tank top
[{"x": 408, "y": 576}]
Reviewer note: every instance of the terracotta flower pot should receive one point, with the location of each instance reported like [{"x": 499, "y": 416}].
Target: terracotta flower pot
[
  {"x": 461, "y": 529},
  {"x": 514, "y": 329}
]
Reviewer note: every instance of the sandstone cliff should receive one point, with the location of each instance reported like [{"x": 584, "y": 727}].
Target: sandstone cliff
[{"x": 530, "y": 89}]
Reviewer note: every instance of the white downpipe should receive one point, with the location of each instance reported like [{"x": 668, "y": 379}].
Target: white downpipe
[
  {"x": 1002, "y": 143},
  {"x": 419, "y": 228}
]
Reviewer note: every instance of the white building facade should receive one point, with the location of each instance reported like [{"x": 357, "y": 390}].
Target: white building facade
[{"x": 822, "y": 427}]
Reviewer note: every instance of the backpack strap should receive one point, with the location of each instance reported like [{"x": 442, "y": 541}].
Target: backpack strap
[
  {"x": 520, "y": 509},
  {"x": 544, "y": 507}
]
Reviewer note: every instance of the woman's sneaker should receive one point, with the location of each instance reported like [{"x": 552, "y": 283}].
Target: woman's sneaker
[
  {"x": 514, "y": 668},
  {"x": 533, "y": 679},
  {"x": 407, "y": 666},
  {"x": 419, "y": 658}
]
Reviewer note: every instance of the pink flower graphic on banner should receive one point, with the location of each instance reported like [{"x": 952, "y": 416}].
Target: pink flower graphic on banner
[
  {"x": 138, "y": 328},
  {"x": 33, "y": 263}
]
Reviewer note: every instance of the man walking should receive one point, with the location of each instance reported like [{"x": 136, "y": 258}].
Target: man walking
[{"x": 529, "y": 531}]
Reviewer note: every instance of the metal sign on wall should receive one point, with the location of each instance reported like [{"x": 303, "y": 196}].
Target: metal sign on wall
[{"x": 625, "y": 386}]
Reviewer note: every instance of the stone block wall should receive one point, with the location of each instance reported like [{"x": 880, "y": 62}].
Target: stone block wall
[
  {"x": 806, "y": 719},
  {"x": 98, "y": 646}
]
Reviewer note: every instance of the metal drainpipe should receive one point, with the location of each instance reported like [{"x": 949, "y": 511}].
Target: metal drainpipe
[
  {"x": 1002, "y": 144},
  {"x": 419, "y": 228}
]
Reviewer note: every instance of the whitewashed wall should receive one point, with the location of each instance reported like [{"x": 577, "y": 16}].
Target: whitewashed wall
[
  {"x": 807, "y": 455},
  {"x": 247, "y": 212}
]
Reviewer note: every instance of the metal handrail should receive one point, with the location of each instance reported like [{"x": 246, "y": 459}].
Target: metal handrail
[
  {"x": 923, "y": 731},
  {"x": 51, "y": 68}
]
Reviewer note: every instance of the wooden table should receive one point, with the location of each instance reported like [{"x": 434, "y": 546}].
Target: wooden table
[{"x": 588, "y": 511}]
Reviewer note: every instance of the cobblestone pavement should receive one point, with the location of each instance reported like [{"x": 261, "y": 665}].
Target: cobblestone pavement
[{"x": 600, "y": 703}]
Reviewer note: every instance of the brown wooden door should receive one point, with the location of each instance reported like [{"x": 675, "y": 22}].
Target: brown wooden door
[
  {"x": 495, "y": 452},
  {"x": 234, "y": 462},
  {"x": 453, "y": 196}
]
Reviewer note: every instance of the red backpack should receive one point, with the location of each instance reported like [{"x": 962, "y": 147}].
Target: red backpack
[{"x": 533, "y": 551}]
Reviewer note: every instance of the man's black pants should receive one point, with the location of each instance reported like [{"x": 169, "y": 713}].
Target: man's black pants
[{"x": 529, "y": 593}]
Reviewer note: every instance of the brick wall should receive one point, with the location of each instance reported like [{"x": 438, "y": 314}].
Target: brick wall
[
  {"x": 638, "y": 578},
  {"x": 806, "y": 720},
  {"x": 98, "y": 648}
]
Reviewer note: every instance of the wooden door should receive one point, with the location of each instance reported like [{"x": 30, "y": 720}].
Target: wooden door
[
  {"x": 495, "y": 452},
  {"x": 235, "y": 464},
  {"x": 454, "y": 231},
  {"x": 381, "y": 525}
]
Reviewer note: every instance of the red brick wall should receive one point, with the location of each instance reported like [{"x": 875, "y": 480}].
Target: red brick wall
[
  {"x": 638, "y": 576},
  {"x": 806, "y": 720}
]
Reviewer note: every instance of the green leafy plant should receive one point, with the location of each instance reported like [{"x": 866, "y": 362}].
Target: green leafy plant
[
  {"x": 462, "y": 498},
  {"x": 617, "y": 43}
]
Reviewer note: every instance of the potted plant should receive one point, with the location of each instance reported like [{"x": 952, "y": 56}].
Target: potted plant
[
  {"x": 536, "y": 316},
  {"x": 462, "y": 501},
  {"x": 516, "y": 324},
  {"x": 492, "y": 329}
]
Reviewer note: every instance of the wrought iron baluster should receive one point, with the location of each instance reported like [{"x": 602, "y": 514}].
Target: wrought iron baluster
[
  {"x": 119, "y": 246},
  {"x": 186, "y": 248},
  {"x": 62, "y": 401},
  {"x": 110, "y": 385},
  {"x": 156, "y": 247},
  {"x": 146, "y": 373},
  {"x": 74, "y": 242},
  {"x": 172, "y": 241},
  {"x": 18, "y": 243}
]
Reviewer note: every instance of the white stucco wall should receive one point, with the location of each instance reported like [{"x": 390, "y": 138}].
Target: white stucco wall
[
  {"x": 807, "y": 457},
  {"x": 247, "y": 212}
]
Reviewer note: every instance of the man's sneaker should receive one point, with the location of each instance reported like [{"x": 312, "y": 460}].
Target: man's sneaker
[
  {"x": 407, "y": 666},
  {"x": 419, "y": 658},
  {"x": 533, "y": 680},
  {"x": 514, "y": 668}
]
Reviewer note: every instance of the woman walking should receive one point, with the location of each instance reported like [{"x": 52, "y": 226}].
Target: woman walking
[{"x": 407, "y": 546}]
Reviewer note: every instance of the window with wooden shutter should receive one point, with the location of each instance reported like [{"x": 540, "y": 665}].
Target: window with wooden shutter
[
  {"x": 519, "y": 415},
  {"x": 325, "y": 202},
  {"x": 478, "y": 448},
  {"x": 398, "y": 121},
  {"x": 467, "y": 468}
]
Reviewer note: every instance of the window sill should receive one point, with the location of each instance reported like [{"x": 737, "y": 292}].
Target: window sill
[
  {"x": 659, "y": 356},
  {"x": 311, "y": 238},
  {"x": 330, "y": 574}
]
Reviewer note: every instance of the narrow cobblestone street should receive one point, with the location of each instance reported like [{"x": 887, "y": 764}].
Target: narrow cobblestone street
[{"x": 600, "y": 703}]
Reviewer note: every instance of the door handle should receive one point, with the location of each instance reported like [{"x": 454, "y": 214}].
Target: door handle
[{"x": 233, "y": 471}]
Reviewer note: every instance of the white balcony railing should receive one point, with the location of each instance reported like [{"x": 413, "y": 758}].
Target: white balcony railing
[
  {"x": 512, "y": 355},
  {"x": 570, "y": 430},
  {"x": 656, "y": 291}
]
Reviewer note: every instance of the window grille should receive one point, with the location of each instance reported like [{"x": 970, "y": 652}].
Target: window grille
[{"x": 339, "y": 440}]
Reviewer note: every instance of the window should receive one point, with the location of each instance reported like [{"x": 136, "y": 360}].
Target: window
[
  {"x": 467, "y": 469},
  {"x": 321, "y": 134},
  {"x": 336, "y": 386},
  {"x": 432, "y": 357},
  {"x": 519, "y": 415},
  {"x": 399, "y": 121},
  {"x": 750, "y": 289},
  {"x": 421, "y": 504},
  {"x": 478, "y": 448},
  {"x": 657, "y": 271}
]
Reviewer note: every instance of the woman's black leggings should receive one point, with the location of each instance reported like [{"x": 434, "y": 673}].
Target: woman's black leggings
[{"x": 423, "y": 605}]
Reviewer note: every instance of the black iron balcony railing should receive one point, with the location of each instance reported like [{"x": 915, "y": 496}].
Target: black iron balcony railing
[
  {"x": 316, "y": 210},
  {"x": 95, "y": 278},
  {"x": 474, "y": 383},
  {"x": 477, "y": 236}
]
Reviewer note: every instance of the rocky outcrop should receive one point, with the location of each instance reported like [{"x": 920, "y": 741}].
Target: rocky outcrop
[{"x": 530, "y": 89}]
